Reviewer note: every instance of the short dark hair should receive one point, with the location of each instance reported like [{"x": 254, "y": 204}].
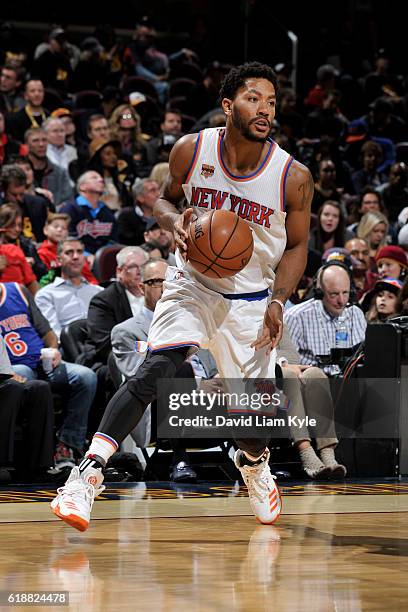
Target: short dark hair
[
  {"x": 236, "y": 78},
  {"x": 12, "y": 173},
  {"x": 69, "y": 240}
]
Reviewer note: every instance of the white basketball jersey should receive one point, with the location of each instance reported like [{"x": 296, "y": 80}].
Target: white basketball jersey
[{"x": 258, "y": 198}]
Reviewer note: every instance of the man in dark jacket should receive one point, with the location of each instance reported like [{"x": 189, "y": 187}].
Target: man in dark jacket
[{"x": 115, "y": 304}]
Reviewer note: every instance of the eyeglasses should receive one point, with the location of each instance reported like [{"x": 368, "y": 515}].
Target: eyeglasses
[
  {"x": 127, "y": 116},
  {"x": 154, "y": 282}
]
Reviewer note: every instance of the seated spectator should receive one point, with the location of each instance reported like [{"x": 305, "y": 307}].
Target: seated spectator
[
  {"x": 382, "y": 122},
  {"x": 132, "y": 220},
  {"x": 392, "y": 261},
  {"x": 363, "y": 278},
  {"x": 124, "y": 124},
  {"x": 402, "y": 302},
  {"x": 329, "y": 231},
  {"x": 170, "y": 132},
  {"x": 373, "y": 228},
  {"x": 314, "y": 325},
  {"x": 69, "y": 126},
  {"x": 56, "y": 230},
  {"x": 325, "y": 81},
  {"x": 67, "y": 298},
  {"x": 308, "y": 391},
  {"x": 11, "y": 80},
  {"x": 91, "y": 220},
  {"x": 325, "y": 186},
  {"x": 31, "y": 115},
  {"x": 133, "y": 333},
  {"x": 53, "y": 66},
  {"x": 58, "y": 152},
  {"x": 30, "y": 404},
  {"x": 23, "y": 327},
  {"x": 162, "y": 238},
  {"x": 114, "y": 304},
  {"x": 8, "y": 146},
  {"x": 159, "y": 173},
  {"x": 33, "y": 208},
  {"x": 395, "y": 191},
  {"x": 105, "y": 159},
  {"x": 46, "y": 174},
  {"x": 291, "y": 122},
  {"x": 327, "y": 120},
  {"x": 44, "y": 194},
  {"x": 14, "y": 267},
  {"x": 11, "y": 224},
  {"x": 97, "y": 127},
  {"x": 369, "y": 175},
  {"x": 382, "y": 301},
  {"x": 368, "y": 201},
  {"x": 153, "y": 249}
]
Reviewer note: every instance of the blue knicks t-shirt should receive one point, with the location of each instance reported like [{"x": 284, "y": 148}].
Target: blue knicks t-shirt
[{"x": 22, "y": 340}]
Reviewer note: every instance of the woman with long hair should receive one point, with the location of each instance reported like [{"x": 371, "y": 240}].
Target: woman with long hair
[
  {"x": 373, "y": 228},
  {"x": 369, "y": 201},
  {"x": 124, "y": 124},
  {"x": 329, "y": 231}
]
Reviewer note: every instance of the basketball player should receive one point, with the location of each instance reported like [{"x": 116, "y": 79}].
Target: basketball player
[{"x": 238, "y": 318}]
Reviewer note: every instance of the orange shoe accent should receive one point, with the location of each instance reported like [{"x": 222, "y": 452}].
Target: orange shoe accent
[
  {"x": 72, "y": 519},
  {"x": 278, "y": 515}
]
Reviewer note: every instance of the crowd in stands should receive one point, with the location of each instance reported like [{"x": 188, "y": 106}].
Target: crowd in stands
[{"x": 85, "y": 137}]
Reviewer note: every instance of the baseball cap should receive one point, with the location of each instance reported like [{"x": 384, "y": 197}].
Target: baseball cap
[
  {"x": 356, "y": 132},
  {"x": 61, "y": 112},
  {"x": 338, "y": 255},
  {"x": 57, "y": 33},
  {"x": 136, "y": 97}
]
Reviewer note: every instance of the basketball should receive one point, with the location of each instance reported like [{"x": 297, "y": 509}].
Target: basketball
[{"x": 220, "y": 244}]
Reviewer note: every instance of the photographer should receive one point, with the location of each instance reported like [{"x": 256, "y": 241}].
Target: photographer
[{"x": 325, "y": 322}]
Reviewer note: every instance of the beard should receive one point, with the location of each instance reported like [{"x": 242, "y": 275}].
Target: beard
[{"x": 244, "y": 129}]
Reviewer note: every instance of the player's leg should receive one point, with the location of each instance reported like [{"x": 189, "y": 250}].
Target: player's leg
[{"x": 236, "y": 359}]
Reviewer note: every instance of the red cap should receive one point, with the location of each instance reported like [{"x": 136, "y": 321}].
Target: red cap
[{"x": 393, "y": 252}]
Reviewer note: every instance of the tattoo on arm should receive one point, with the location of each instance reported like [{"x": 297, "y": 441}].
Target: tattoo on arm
[
  {"x": 279, "y": 292},
  {"x": 305, "y": 191}
]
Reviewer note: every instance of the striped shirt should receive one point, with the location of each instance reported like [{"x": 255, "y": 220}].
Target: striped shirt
[{"x": 313, "y": 329}]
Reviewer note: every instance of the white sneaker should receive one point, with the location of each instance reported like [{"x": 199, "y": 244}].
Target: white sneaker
[
  {"x": 264, "y": 495},
  {"x": 75, "y": 499}
]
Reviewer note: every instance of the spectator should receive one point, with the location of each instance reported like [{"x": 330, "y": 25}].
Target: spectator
[
  {"x": 8, "y": 146},
  {"x": 67, "y": 298},
  {"x": 371, "y": 154},
  {"x": 402, "y": 302},
  {"x": 395, "y": 191},
  {"x": 327, "y": 121},
  {"x": 164, "y": 239},
  {"x": 381, "y": 122},
  {"x": 373, "y": 228},
  {"x": 124, "y": 124},
  {"x": 91, "y": 70},
  {"x": 22, "y": 324},
  {"x": 325, "y": 186},
  {"x": 158, "y": 148},
  {"x": 91, "y": 220},
  {"x": 308, "y": 392},
  {"x": 32, "y": 115},
  {"x": 326, "y": 81},
  {"x": 290, "y": 121},
  {"x": 392, "y": 262},
  {"x": 58, "y": 152},
  {"x": 69, "y": 126},
  {"x": 381, "y": 79},
  {"x": 11, "y": 80},
  {"x": 14, "y": 267},
  {"x": 46, "y": 174},
  {"x": 97, "y": 128},
  {"x": 105, "y": 159},
  {"x": 313, "y": 325},
  {"x": 132, "y": 220},
  {"x": 53, "y": 66},
  {"x": 13, "y": 183},
  {"x": 30, "y": 403},
  {"x": 363, "y": 278},
  {"x": 382, "y": 300},
  {"x": 203, "y": 97},
  {"x": 56, "y": 230},
  {"x": 329, "y": 231},
  {"x": 160, "y": 173},
  {"x": 43, "y": 194},
  {"x": 368, "y": 201},
  {"x": 11, "y": 225},
  {"x": 118, "y": 302}
]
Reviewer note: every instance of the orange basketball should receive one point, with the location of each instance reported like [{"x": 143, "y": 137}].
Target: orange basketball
[{"x": 220, "y": 244}]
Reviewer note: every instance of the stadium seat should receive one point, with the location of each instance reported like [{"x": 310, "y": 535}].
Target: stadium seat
[
  {"x": 73, "y": 337},
  {"x": 105, "y": 262},
  {"x": 136, "y": 83},
  {"x": 180, "y": 87},
  {"x": 87, "y": 99}
]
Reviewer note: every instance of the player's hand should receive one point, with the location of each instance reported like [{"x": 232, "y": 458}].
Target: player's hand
[
  {"x": 180, "y": 231},
  {"x": 272, "y": 329},
  {"x": 298, "y": 369}
]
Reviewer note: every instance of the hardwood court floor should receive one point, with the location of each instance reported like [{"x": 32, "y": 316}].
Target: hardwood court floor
[{"x": 333, "y": 550}]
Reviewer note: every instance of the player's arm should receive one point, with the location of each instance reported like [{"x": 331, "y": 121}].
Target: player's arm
[
  {"x": 166, "y": 209},
  {"x": 299, "y": 194}
]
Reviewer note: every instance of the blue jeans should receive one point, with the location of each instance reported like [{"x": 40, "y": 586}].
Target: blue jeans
[{"x": 82, "y": 381}]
